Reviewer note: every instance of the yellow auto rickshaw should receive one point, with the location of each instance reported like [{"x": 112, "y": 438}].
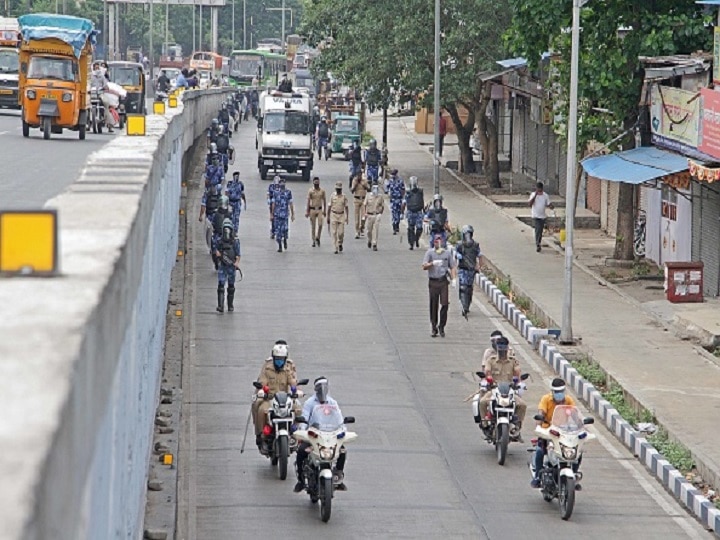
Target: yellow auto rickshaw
[{"x": 131, "y": 76}]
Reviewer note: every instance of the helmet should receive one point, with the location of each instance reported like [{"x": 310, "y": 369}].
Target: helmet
[
  {"x": 227, "y": 223},
  {"x": 557, "y": 387},
  {"x": 494, "y": 336},
  {"x": 224, "y": 203},
  {"x": 276, "y": 179},
  {"x": 215, "y": 122},
  {"x": 437, "y": 197},
  {"x": 394, "y": 172},
  {"x": 279, "y": 354},
  {"x": 227, "y": 229},
  {"x": 321, "y": 389},
  {"x": 229, "y": 99},
  {"x": 213, "y": 148},
  {"x": 220, "y": 129},
  {"x": 223, "y": 106},
  {"x": 373, "y": 143},
  {"x": 468, "y": 229},
  {"x": 413, "y": 182},
  {"x": 501, "y": 344}
]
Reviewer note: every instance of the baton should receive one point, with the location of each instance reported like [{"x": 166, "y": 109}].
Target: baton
[{"x": 247, "y": 425}]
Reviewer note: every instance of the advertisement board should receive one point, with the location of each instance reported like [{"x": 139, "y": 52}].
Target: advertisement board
[
  {"x": 709, "y": 142},
  {"x": 675, "y": 114}
]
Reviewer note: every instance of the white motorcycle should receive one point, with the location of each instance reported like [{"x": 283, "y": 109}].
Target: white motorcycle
[
  {"x": 326, "y": 436},
  {"x": 277, "y": 442},
  {"x": 565, "y": 437},
  {"x": 503, "y": 425}
]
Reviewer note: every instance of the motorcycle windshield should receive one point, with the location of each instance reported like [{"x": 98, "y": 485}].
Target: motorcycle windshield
[
  {"x": 568, "y": 419},
  {"x": 326, "y": 417}
]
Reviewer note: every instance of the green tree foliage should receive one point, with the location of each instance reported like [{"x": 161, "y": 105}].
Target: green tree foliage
[{"x": 615, "y": 33}]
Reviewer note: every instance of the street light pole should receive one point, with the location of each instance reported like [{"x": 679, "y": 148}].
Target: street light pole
[
  {"x": 244, "y": 27},
  {"x": 566, "y": 333},
  {"x": 232, "y": 37},
  {"x": 150, "y": 58},
  {"x": 283, "y": 23},
  {"x": 436, "y": 103}
]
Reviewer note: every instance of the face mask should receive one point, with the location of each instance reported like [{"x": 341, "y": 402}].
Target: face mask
[
  {"x": 316, "y": 186},
  {"x": 338, "y": 191},
  {"x": 559, "y": 396},
  {"x": 279, "y": 363}
]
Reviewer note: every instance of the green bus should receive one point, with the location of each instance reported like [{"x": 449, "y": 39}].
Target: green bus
[{"x": 263, "y": 66}]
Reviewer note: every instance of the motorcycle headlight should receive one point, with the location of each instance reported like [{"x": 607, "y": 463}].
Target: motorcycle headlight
[
  {"x": 67, "y": 97},
  {"x": 31, "y": 94},
  {"x": 568, "y": 452},
  {"x": 327, "y": 452}
]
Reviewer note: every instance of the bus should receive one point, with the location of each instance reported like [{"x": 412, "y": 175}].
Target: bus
[{"x": 263, "y": 66}]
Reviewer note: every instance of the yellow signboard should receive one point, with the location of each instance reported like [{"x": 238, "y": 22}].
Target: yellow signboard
[
  {"x": 28, "y": 242},
  {"x": 158, "y": 107},
  {"x": 172, "y": 102},
  {"x": 135, "y": 125}
]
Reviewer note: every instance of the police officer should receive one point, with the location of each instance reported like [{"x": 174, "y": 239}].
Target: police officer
[
  {"x": 356, "y": 162},
  {"x": 373, "y": 158},
  {"x": 235, "y": 190},
  {"x": 469, "y": 259},
  {"x": 222, "y": 143},
  {"x": 373, "y": 207},
  {"x": 224, "y": 116},
  {"x": 502, "y": 368},
  {"x": 212, "y": 131},
  {"x": 436, "y": 219},
  {"x": 282, "y": 203},
  {"x": 218, "y": 222},
  {"x": 395, "y": 187},
  {"x": 272, "y": 188},
  {"x": 276, "y": 375},
  {"x": 209, "y": 204},
  {"x": 338, "y": 217},
  {"x": 359, "y": 189},
  {"x": 414, "y": 203},
  {"x": 227, "y": 253},
  {"x": 285, "y": 84},
  {"x": 316, "y": 210},
  {"x": 439, "y": 262},
  {"x": 322, "y": 135}
]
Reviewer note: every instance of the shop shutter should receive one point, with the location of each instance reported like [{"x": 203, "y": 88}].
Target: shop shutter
[
  {"x": 710, "y": 240},
  {"x": 696, "y": 190}
]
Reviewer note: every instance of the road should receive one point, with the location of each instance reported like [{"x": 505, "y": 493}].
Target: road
[
  {"x": 35, "y": 170},
  {"x": 419, "y": 467}
]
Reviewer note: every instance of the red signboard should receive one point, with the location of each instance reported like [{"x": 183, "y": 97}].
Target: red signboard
[{"x": 710, "y": 123}]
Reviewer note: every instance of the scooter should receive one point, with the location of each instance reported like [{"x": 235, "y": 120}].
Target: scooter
[
  {"x": 564, "y": 439},
  {"x": 326, "y": 438},
  {"x": 277, "y": 444},
  {"x": 503, "y": 422},
  {"x": 97, "y": 111}
]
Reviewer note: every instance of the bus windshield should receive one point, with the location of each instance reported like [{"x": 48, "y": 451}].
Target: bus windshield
[
  {"x": 287, "y": 122},
  {"x": 44, "y": 67},
  {"x": 245, "y": 64},
  {"x": 8, "y": 62}
]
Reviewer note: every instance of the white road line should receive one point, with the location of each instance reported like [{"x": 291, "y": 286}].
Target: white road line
[
  {"x": 675, "y": 511},
  {"x": 4, "y": 132}
]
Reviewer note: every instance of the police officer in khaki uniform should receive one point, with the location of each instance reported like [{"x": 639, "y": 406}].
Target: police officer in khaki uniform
[
  {"x": 359, "y": 189},
  {"x": 338, "y": 216},
  {"x": 316, "y": 210},
  {"x": 373, "y": 207},
  {"x": 502, "y": 368},
  {"x": 276, "y": 375}
]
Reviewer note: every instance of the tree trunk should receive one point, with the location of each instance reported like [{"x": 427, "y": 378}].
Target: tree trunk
[
  {"x": 487, "y": 132},
  {"x": 463, "y": 131},
  {"x": 625, "y": 225}
]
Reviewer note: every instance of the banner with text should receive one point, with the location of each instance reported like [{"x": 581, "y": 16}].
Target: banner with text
[
  {"x": 709, "y": 142},
  {"x": 675, "y": 114}
]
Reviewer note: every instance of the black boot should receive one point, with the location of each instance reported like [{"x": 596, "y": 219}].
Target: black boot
[
  {"x": 221, "y": 298},
  {"x": 231, "y": 297},
  {"x": 418, "y": 233},
  {"x": 411, "y": 237}
]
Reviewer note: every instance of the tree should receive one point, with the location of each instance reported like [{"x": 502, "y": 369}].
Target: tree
[{"x": 611, "y": 75}]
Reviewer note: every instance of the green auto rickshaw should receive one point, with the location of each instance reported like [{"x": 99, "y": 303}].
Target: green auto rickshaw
[{"x": 345, "y": 130}]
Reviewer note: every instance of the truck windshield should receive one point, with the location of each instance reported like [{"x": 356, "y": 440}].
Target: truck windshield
[
  {"x": 125, "y": 76},
  {"x": 287, "y": 122},
  {"x": 43, "y": 67},
  {"x": 8, "y": 62}
]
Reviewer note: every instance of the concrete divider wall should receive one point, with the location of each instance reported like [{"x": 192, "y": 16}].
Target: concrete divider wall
[{"x": 80, "y": 354}]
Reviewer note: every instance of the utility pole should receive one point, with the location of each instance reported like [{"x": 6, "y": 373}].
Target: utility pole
[
  {"x": 194, "y": 31},
  {"x": 150, "y": 58},
  {"x": 200, "y": 45},
  {"x": 436, "y": 103},
  {"x": 232, "y": 37},
  {"x": 283, "y": 23},
  {"x": 566, "y": 333}
]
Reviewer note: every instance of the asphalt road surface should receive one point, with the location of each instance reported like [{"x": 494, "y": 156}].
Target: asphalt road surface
[{"x": 419, "y": 468}]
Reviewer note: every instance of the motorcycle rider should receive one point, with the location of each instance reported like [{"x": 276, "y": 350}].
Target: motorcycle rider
[
  {"x": 503, "y": 369},
  {"x": 414, "y": 203},
  {"x": 494, "y": 336},
  {"x": 436, "y": 219},
  {"x": 322, "y": 133},
  {"x": 278, "y": 375},
  {"x": 546, "y": 408},
  {"x": 373, "y": 158},
  {"x": 321, "y": 397},
  {"x": 163, "y": 83},
  {"x": 469, "y": 262}
]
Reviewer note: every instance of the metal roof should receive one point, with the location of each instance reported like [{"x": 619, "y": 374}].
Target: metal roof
[{"x": 635, "y": 166}]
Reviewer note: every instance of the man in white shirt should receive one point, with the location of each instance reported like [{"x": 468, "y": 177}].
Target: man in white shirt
[{"x": 539, "y": 201}]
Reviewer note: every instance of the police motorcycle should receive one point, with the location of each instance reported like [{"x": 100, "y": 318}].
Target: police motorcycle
[
  {"x": 502, "y": 426},
  {"x": 279, "y": 426},
  {"x": 97, "y": 110},
  {"x": 565, "y": 438},
  {"x": 326, "y": 436}
]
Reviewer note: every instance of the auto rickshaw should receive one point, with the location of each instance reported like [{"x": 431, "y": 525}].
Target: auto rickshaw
[
  {"x": 345, "y": 130},
  {"x": 131, "y": 76}
]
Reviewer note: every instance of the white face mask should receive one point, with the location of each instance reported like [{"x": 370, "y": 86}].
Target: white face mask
[{"x": 375, "y": 190}]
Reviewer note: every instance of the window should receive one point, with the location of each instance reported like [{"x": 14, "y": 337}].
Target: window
[
  {"x": 43, "y": 67},
  {"x": 8, "y": 62}
]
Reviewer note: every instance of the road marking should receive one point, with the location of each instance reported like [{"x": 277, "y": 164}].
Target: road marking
[
  {"x": 4, "y": 132},
  {"x": 678, "y": 515}
]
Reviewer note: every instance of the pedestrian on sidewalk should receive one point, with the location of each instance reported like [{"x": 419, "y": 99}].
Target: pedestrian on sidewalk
[
  {"x": 395, "y": 187},
  {"x": 539, "y": 201},
  {"x": 316, "y": 210},
  {"x": 338, "y": 217},
  {"x": 373, "y": 207},
  {"x": 359, "y": 189},
  {"x": 469, "y": 258},
  {"x": 282, "y": 203},
  {"x": 414, "y": 203},
  {"x": 442, "y": 127},
  {"x": 440, "y": 264}
]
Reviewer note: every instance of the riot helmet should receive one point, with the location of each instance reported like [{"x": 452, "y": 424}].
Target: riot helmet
[
  {"x": 413, "y": 182},
  {"x": 467, "y": 234},
  {"x": 279, "y": 354},
  {"x": 373, "y": 144},
  {"x": 557, "y": 387},
  {"x": 321, "y": 389},
  {"x": 224, "y": 204},
  {"x": 437, "y": 201},
  {"x": 227, "y": 229}
]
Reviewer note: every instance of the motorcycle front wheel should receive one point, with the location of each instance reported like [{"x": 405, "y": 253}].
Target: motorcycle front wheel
[
  {"x": 566, "y": 496},
  {"x": 326, "y": 493},
  {"x": 282, "y": 457},
  {"x": 501, "y": 443}
]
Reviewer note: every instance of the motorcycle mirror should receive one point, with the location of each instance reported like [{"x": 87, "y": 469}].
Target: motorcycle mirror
[
  {"x": 480, "y": 374},
  {"x": 300, "y": 420},
  {"x": 539, "y": 417},
  {"x": 349, "y": 420},
  {"x": 257, "y": 385},
  {"x": 588, "y": 420},
  {"x": 524, "y": 376},
  {"x": 302, "y": 382}
]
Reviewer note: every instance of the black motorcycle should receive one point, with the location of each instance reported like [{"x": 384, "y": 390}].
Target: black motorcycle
[{"x": 96, "y": 118}]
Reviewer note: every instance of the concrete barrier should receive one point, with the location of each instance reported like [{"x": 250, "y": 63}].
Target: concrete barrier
[{"x": 80, "y": 354}]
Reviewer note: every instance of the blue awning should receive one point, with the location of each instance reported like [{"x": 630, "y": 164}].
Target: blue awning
[
  {"x": 635, "y": 166},
  {"x": 709, "y": 2}
]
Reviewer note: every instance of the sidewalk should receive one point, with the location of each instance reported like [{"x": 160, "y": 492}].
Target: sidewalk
[{"x": 666, "y": 375}]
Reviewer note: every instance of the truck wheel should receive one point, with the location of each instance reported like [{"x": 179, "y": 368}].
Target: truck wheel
[{"x": 46, "y": 126}]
